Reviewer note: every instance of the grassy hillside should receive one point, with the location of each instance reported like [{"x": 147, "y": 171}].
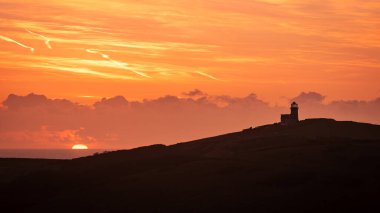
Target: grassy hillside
[{"x": 319, "y": 165}]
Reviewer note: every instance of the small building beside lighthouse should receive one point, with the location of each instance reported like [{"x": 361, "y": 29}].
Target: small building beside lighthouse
[{"x": 292, "y": 118}]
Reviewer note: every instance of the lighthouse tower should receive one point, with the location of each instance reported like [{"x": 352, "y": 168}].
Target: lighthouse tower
[{"x": 294, "y": 111}]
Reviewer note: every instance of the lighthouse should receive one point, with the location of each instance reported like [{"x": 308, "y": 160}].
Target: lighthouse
[{"x": 292, "y": 118}]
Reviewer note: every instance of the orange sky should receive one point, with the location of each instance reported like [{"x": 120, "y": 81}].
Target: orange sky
[{"x": 145, "y": 49}]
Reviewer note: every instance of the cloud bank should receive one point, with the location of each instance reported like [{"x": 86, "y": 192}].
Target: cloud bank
[{"x": 36, "y": 121}]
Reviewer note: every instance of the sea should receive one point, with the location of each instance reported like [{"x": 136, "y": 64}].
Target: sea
[{"x": 49, "y": 153}]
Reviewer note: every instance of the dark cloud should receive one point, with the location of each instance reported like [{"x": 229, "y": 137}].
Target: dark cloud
[
  {"x": 14, "y": 102},
  {"x": 117, "y": 101},
  {"x": 309, "y": 98},
  {"x": 195, "y": 93}
]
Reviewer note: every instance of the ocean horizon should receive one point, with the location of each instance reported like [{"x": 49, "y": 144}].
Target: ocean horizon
[{"x": 48, "y": 153}]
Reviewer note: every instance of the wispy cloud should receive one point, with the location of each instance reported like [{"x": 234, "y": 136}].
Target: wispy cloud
[
  {"x": 206, "y": 75},
  {"x": 121, "y": 65},
  {"x": 16, "y": 42},
  {"x": 84, "y": 71},
  {"x": 46, "y": 40},
  {"x": 88, "y": 96}
]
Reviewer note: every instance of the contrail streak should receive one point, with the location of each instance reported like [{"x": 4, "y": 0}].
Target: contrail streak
[
  {"x": 47, "y": 40},
  {"x": 122, "y": 65},
  {"x": 16, "y": 42},
  {"x": 206, "y": 75},
  {"x": 99, "y": 53},
  {"x": 84, "y": 71}
]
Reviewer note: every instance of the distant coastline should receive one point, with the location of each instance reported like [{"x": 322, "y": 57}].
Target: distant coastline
[{"x": 48, "y": 153}]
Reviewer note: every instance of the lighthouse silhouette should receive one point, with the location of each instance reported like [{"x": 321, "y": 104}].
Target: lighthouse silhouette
[{"x": 292, "y": 118}]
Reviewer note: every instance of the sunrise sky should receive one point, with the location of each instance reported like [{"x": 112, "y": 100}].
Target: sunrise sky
[{"x": 84, "y": 51}]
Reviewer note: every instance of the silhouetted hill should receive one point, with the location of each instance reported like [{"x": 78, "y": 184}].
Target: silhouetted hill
[{"x": 318, "y": 165}]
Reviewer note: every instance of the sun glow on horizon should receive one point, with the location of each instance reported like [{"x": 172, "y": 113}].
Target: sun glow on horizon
[{"x": 79, "y": 146}]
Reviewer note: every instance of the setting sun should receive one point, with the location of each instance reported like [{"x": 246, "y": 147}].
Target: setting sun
[{"x": 79, "y": 146}]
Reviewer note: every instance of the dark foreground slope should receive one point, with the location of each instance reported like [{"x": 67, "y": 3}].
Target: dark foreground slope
[{"x": 316, "y": 166}]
